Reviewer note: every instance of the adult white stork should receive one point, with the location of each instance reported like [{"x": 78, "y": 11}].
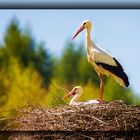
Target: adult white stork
[
  {"x": 75, "y": 93},
  {"x": 103, "y": 63}
]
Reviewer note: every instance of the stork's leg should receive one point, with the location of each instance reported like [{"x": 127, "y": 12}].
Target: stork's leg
[{"x": 101, "y": 88}]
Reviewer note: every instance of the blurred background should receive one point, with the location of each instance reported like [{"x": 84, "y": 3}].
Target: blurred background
[{"x": 40, "y": 63}]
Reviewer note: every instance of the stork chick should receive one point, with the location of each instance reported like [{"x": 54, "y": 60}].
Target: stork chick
[{"x": 75, "y": 93}]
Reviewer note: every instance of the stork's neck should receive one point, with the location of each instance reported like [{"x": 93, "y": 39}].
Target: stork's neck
[
  {"x": 88, "y": 30},
  {"x": 74, "y": 99}
]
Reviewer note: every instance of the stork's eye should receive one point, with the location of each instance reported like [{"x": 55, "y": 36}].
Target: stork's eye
[
  {"x": 74, "y": 91},
  {"x": 84, "y": 23}
]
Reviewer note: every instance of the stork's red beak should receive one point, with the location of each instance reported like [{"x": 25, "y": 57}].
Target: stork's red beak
[
  {"x": 79, "y": 30},
  {"x": 69, "y": 94}
]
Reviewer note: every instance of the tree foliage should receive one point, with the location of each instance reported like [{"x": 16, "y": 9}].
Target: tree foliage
[
  {"x": 22, "y": 46},
  {"x": 26, "y": 68},
  {"x": 73, "y": 66}
]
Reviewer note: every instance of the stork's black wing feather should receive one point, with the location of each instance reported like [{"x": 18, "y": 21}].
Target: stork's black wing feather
[{"x": 117, "y": 70}]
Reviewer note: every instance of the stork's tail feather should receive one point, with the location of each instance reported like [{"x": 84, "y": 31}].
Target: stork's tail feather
[
  {"x": 120, "y": 77},
  {"x": 121, "y": 73},
  {"x": 125, "y": 79}
]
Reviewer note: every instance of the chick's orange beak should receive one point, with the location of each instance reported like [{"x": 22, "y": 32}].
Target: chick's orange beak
[{"x": 78, "y": 31}]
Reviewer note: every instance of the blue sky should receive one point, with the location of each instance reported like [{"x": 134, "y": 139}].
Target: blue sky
[{"x": 116, "y": 31}]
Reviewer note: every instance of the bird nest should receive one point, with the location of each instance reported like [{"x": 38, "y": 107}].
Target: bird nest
[{"x": 114, "y": 119}]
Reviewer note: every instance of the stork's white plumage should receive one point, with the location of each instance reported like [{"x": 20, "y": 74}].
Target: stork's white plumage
[
  {"x": 103, "y": 63},
  {"x": 75, "y": 93}
]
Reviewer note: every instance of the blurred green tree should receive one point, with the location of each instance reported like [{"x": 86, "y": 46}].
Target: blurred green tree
[
  {"x": 25, "y": 67},
  {"x": 69, "y": 64},
  {"x": 21, "y": 45},
  {"x": 87, "y": 72},
  {"x": 20, "y": 86},
  {"x": 113, "y": 91},
  {"x": 73, "y": 66}
]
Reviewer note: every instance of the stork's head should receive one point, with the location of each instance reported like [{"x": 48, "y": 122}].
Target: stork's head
[
  {"x": 85, "y": 25},
  {"x": 75, "y": 91}
]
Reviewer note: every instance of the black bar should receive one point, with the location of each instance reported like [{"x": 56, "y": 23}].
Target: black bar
[{"x": 69, "y": 5}]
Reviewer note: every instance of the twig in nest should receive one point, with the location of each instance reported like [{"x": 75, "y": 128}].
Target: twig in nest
[
  {"x": 125, "y": 125},
  {"x": 94, "y": 118},
  {"x": 117, "y": 122}
]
